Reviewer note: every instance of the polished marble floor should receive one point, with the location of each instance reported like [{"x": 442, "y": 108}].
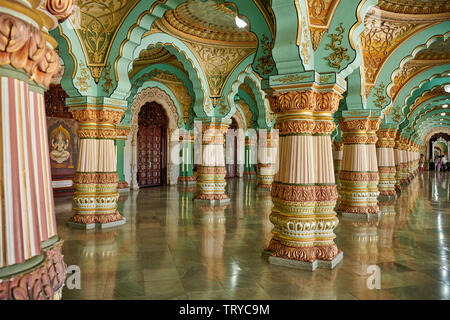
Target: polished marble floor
[{"x": 171, "y": 249}]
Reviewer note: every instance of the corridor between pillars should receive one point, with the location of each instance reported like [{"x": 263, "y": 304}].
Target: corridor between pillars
[
  {"x": 31, "y": 262},
  {"x": 386, "y": 163},
  {"x": 304, "y": 191},
  {"x": 359, "y": 171},
  {"x": 96, "y": 178},
  {"x": 267, "y": 158},
  {"x": 211, "y": 172},
  {"x": 186, "y": 176}
]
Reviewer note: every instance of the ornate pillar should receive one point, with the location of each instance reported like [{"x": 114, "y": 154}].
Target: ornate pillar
[
  {"x": 267, "y": 157},
  {"x": 386, "y": 163},
  {"x": 398, "y": 159},
  {"x": 337, "y": 159},
  {"x": 31, "y": 262},
  {"x": 211, "y": 172},
  {"x": 250, "y": 157},
  {"x": 404, "y": 161},
  {"x": 359, "y": 171},
  {"x": 304, "y": 191},
  {"x": 186, "y": 176},
  {"x": 95, "y": 198},
  {"x": 121, "y": 137}
]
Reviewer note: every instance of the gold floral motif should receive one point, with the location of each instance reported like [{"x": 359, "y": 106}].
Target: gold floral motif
[
  {"x": 305, "y": 127},
  {"x": 290, "y": 78},
  {"x": 265, "y": 62},
  {"x": 83, "y": 78},
  {"x": 99, "y": 133},
  {"x": 381, "y": 99},
  {"x": 218, "y": 63},
  {"x": 339, "y": 53},
  {"x": 96, "y": 218},
  {"x": 304, "y": 100},
  {"x": 305, "y": 50},
  {"x": 108, "y": 83},
  {"x": 320, "y": 15},
  {"x": 97, "y": 115},
  {"x": 359, "y": 125}
]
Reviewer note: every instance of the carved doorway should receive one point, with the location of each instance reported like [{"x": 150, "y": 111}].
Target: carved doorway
[
  {"x": 231, "y": 150},
  {"x": 151, "y": 144}
]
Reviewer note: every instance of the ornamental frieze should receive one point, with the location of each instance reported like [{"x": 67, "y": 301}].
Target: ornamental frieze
[
  {"x": 359, "y": 139},
  {"x": 97, "y": 115},
  {"x": 305, "y": 127},
  {"x": 99, "y": 133},
  {"x": 96, "y": 178},
  {"x": 360, "y": 125},
  {"x": 25, "y": 47},
  {"x": 304, "y": 193},
  {"x": 304, "y": 100},
  {"x": 211, "y": 170},
  {"x": 358, "y": 176}
]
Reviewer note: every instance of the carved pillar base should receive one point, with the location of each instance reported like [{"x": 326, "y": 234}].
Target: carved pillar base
[{"x": 43, "y": 282}]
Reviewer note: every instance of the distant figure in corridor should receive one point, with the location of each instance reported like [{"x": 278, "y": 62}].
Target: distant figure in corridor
[
  {"x": 439, "y": 164},
  {"x": 444, "y": 163},
  {"x": 421, "y": 163}
]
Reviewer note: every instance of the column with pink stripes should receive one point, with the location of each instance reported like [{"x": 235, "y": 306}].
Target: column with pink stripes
[
  {"x": 31, "y": 263},
  {"x": 96, "y": 178},
  {"x": 304, "y": 191},
  {"x": 386, "y": 163},
  {"x": 359, "y": 171}
]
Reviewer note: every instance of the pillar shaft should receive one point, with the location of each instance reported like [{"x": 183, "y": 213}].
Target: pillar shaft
[
  {"x": 211, "y": 172},
  {"x": 250, "y": 157},
  {"x": 121, "y": 138},
  {"x": 337, "y": 159},
  {"x": 304, "y": 191},
  {"x": 96, "y": 178},
  {"x": 267, "y": 157},
  {"x": 359, "y": 171},
  {"x": 386, "y": 162},
  {"x": 187, "y": 158},
  {"x": 31, "y": 263}
]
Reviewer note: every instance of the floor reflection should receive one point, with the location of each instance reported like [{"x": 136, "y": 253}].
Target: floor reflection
[{"x": 174, "y": 248}]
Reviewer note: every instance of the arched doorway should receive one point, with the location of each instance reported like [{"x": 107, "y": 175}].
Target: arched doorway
[{"x": 151, "y": 145}]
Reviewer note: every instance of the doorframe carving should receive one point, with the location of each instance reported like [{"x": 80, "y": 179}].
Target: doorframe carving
[{"x": 153, "y": 94}]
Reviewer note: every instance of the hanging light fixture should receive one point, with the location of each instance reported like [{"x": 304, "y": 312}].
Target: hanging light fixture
[
  {"x": 443, "y": 114},
  {"x": 447, "y": 88},
  {"x": 240, "y": 23},
  {"x": 445, "y": 106}
]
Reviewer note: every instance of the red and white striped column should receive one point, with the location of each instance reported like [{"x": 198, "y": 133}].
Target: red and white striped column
[{"x": 386, "y": 163}]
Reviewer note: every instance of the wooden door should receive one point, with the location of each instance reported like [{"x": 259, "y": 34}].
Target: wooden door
[{"x": 151, "y": 146}]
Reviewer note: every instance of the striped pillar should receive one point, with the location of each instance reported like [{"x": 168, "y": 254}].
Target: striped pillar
[
  {"x": 211, "y": 172},
  {"x": 386, "y": 162},
  {"x": 337, "y": 159},
  {"x": 122, "y": 133},
  {"x": 250, "y": 157},
  {"x": 186, "y": 176},
  {"x": 304, "y": 191},
  {"x": 267, "y": 158},
  {"x": 398, "y": 159},
  {"x": 96, "y": 178},
  {"x": 404, "y": 161},
  {"x": 31, "y": 263},
  {"x": 359, "y": 171}
]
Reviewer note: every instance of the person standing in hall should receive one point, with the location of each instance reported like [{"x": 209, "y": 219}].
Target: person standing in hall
[
  {"x": 444, "y": 163},
  {"x": 421, "y": 163},
  {"x": 438, "y": 164}
]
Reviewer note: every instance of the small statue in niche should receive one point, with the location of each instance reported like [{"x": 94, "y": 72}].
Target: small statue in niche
[{"x": 60, "y": 144}]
